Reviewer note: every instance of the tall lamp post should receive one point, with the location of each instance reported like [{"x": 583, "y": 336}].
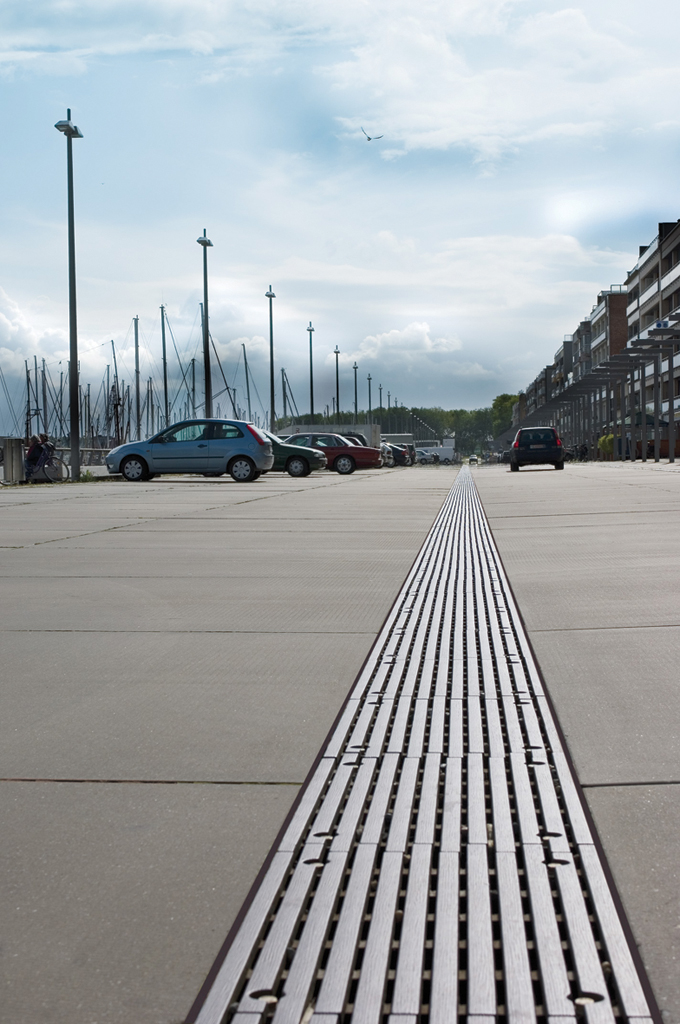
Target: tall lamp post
[
  {"x": 272, "y": 415},
  {"x": 356, "y": 405},
  {"x": 337, "y": 382},
  {"x": 370, "y": 416},
  {"x": 206, "y": 244},
  {"x": 71, "y": 132},
  {"x": 310, "y": 331}
]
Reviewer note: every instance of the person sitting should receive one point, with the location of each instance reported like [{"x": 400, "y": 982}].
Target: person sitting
[{"x": 33, "y": 454}]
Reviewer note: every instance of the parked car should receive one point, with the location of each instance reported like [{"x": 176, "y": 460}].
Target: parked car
[
  {"x": 400, "y": 454},
  {"x": 292, "y": 459},
  {"x": 535, "y": 446},
  {"x": 387, "y": 455},
  {"x": 473, "y": 461},
  {"x": 342, "y": 456},
  {"x": 356, "y": 438},
  {"x": 210, "y": 447},
  {"x": 423, "y": 457}
]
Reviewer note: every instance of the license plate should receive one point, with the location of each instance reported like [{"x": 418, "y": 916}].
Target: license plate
[{"x": 538, "y": 446}]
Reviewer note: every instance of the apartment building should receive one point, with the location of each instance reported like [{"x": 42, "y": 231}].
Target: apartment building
[
  {"x": 561, "y": 369},
  {"x": 654, "y": 282},
  {"x": 608, "y": 324},
  {"x": 581, "y": 361}
]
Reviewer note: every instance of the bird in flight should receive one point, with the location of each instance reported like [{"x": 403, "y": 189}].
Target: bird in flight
[{"x": 370, "y": 138}]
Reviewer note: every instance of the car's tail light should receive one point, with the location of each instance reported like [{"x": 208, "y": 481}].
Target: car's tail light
[
  {"x": 516, "y": 444},
  {"x": 260, "y": 438},
  {"x": 559, "y": 443}
]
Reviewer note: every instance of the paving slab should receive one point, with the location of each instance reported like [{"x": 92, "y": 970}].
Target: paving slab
[
  {"x": 173, "y": 635},
  {"x": 592, "y": 555}
]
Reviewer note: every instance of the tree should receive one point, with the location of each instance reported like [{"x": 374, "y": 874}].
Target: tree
[{"x": 501, "y": 413}]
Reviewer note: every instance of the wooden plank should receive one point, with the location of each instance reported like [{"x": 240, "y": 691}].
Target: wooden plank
[
  {"x": 475, "y": 730},
  {"x": 229, "y": 976},
  {"x": 426, "y": 685},
  {"x": 450, "y": 833},
  {"x": 397, "y": 838},
  {"x": 481, "y": 975},
  {"x": 444, "y": 982},
  {"x": 494, "y": 731},
  {"x": 303, "y": 967},
  {"x": 368, "y": 1003},
  {"x": 477, "y": 831},
  {"x": 618, "y": 952},
  {"x": 269, "y": 965},
  {"x": 456, "y": 747},
  {"x": 556, "y": 985},
  {"x": 524, "y": 800},
  {"x": 582, "y": 941},
  {"x": 375, "y": 819},
  {"x": 579, "y": 824},
  {"x": 520, "y": 1007},
  {"x": 429, "y": 793},
  {"x": 503, "y": 832},
  {"x": 552, "y": 815},
  {"x": 398, "y": 734},
  {"x": 516, "y": 742},
  {"x": 307, "y": 805},
  {"x": 408, "y": 982},
  {"x": 324, "y": 820},
  {"x": 354, "y": 808},
  {"x": 435, "y": 742},
  {"x": 337, "y": 976},
  {"x": 376, "y": 740},
  {"x": 416, "y": 742}
]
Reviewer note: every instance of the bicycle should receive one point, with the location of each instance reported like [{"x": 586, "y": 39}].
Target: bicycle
[{"x": 52, "y": 466}]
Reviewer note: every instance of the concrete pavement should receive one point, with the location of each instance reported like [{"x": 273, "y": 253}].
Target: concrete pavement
[
  {"x": 173, "y": 654},
  {"x": 593, "y": 555}
]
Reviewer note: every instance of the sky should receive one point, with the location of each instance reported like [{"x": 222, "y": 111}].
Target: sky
[{"x": 528, "y": 148}]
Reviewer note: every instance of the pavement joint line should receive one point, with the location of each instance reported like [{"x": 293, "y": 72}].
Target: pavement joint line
[
  {"x": 249, "y": 632},
  {"x": 617, "y": 785},
  {"x": 163, "y": 782},
  {"x": 574, "y": 515},
  {"x": 599, "y": 629}
]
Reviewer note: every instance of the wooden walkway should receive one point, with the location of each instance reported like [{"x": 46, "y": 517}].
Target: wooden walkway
[{"x": 439, "y": 864}]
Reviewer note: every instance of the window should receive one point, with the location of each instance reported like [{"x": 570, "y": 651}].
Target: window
[
  {"x": 302, "y": 439},
  {"x": 537, "y": 437},
  {"x": 185, "y": 432},
  {"x": 225, "y": 431},
  {"x": 328, "y": 441}
]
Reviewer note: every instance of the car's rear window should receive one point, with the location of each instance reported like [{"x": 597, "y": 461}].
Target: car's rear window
[{"x": 537, "y": 437}]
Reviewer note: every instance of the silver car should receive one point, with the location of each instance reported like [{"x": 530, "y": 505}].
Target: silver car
[{"x": 211, "y": 447}]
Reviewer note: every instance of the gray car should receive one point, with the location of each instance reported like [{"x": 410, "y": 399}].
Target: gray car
[{"x": 210, "y": 447}]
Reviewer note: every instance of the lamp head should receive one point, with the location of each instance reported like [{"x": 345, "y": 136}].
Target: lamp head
[
  {"x": 270, "y": 294},
  {"x": 204, "y": 241},
  {"x": 310, "y": 328},
  {"x": 68, "y": 128}
]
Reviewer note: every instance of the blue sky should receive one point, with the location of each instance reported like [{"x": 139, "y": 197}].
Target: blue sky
[{"x": 529, "y": 148}]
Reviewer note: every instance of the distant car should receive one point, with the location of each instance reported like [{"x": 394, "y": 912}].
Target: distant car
[
  {"x": 356, "y": 438},
  {"x": 342, "y": 456},
  {"x": 400, "y": 454},
  {"x": 423, "y": 457},
  {"x": 387, "y": 455},
  {"x": 209, "y": 447},
  {"x": 473, "y": 461},
  {"x": 294, "y": 460},
  {"x": 535, "y": 446}
]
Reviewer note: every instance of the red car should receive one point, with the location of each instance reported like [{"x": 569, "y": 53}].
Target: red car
[{"x": 342, "y": 456}]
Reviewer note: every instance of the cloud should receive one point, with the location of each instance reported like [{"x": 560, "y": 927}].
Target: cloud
[{"x": 409, "y": 345}]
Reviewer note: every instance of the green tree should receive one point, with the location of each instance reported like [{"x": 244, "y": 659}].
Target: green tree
[{"x": 501, "y": 413}]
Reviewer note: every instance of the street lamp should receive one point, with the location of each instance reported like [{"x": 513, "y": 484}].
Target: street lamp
[
  {"x": 356, "y": 407},
  {"x": 310, "y": 331},
  {"x": 206, "y": 244},
  {"x": 337, "y": 381},
  {"x": 272, "y": 416},
  {"x": 370, "y": 417},
  {"x": 380, "y": 390},
  {"x": 71, "y": 132}
]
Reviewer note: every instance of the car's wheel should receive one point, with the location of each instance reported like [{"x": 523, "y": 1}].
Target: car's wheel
[
  {"x": 447, "y": 462},
  {"x": 242, "y": 469},
  {"x": 344, "y": 464},
  {"x": 559, "y": 465},
  {"x": 255, "y": 476},
  {"x": 297, "y": 466},
  {"x": 514, "y": 468},
  {"x": 134, "y": 468},
  {"x": 423, "y": 462}
]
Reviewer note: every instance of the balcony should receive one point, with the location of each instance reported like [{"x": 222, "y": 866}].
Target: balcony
[
  {"x": 650, "y": 293},
  {"x": 632, "y": 306},
  {"x": 672, "y": 275}
]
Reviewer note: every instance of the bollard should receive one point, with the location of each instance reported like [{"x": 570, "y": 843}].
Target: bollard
[{"x": 13, "y": 460}]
